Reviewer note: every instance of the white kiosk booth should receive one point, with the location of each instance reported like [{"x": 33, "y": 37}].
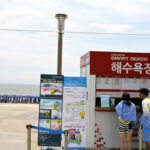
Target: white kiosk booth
[{"x": 109, "y": 74}]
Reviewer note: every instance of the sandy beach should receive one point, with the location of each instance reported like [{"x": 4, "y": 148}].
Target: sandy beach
[{"x": 13, "y": 120}]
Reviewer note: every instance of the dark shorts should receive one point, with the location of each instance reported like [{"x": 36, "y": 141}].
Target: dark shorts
[{"x": 124, "y": 127}]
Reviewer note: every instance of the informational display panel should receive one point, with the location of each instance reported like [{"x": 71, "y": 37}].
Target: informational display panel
[
  {"x": 74, "y": 110},
  {"x": 115, "y": 86},
  {"x": 50, "y": 109}
]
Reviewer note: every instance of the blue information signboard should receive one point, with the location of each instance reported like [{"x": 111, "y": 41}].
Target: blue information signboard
[
  {"x": 50, "y": 109},
  {"x": 74, "y": 111}
]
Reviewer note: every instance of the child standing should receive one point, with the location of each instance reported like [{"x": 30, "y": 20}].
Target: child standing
[{"x": 126, "y": 111}]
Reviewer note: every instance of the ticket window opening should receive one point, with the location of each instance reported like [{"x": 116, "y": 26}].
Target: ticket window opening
[{"x": 115, "y": 100}]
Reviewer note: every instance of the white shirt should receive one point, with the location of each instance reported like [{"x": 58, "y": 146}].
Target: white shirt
[{"x": 146, "y": 106}]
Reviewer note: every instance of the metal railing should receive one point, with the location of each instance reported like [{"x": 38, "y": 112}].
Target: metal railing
[{"x": 29, "y": 127}]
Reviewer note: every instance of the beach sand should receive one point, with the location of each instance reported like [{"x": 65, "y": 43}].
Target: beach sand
[{"x": 13, "y": 121}]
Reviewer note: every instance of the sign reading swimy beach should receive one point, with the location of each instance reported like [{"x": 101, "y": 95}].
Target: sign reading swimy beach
[
  {"x": 50, "y": 110},
  {"x": 74, "y": 110}
]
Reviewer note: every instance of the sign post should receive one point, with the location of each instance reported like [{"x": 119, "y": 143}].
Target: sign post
[
  {"x": 66, "y": 140},
  {"x": 28, "y": 127}
]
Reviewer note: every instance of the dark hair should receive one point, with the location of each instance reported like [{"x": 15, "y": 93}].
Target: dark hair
[
  {"x": 144, "y": 91},
  {"x": 126, "y": 97}
]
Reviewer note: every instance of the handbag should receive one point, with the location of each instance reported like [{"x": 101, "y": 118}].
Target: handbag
[{"x": 130, "y": 125}]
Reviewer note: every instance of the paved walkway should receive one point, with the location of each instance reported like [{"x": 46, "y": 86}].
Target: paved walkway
[{"x": 13, "y": 120}]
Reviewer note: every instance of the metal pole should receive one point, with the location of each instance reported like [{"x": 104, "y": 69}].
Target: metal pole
[
  {"x": 140, "y": 138},
  {"x": 66, "y": 140},
  {"x": 59, "y": 58},
  {"x": 28, "y": 127}
]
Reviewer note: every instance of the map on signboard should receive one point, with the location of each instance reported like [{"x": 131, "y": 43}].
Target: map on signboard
[{"x": 74, "y": 110}]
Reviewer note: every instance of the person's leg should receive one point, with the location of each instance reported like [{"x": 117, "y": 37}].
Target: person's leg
[
  {"x": 122, "y": 140},
  {"x": 129, "y": 136},
  {"x": 147, "y": 145}
]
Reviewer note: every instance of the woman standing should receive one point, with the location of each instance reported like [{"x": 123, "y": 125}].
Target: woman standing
[{"x": 126, "y": 111}]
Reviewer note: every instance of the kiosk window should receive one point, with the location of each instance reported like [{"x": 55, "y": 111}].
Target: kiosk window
[{"x": 135, "y": 100}]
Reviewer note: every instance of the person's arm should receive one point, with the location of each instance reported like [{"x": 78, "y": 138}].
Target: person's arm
[
  {"x": 118, "y": 108},
  {"x": 135, "y": 115},
  {"x": 139, "y": 108}
]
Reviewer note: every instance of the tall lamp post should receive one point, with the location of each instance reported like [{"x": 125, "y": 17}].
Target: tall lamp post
[{"x": 61, "y": 20}]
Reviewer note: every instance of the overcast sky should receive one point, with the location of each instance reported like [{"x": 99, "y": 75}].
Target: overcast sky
[{"x": 25, "y": 55}]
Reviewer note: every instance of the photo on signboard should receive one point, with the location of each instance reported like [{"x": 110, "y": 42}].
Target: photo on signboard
[
  {"x": 48, "y": 89},
  {"x": 45, "y": 114},
  {"x": 105, "y": 101},
  {"x": 45, "y": 123},
  {"x": 75, "y": 136},
  {"x": 56, "y": 114},
  {"x": 56, "y": 124},
  {"x": 51, "y": 104}
]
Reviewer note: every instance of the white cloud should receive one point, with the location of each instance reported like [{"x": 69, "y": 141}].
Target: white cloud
[
  {"x": 18, "y": 18},
  {"x": 26, "y": 13},
  {"x": 111, "y": 27},
  {"x": 144, "y": 1},
  {"x": 132, "y": 9},
  {"x": 27, "y": 50}
]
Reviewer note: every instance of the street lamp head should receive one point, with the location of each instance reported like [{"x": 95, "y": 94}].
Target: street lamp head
[{"x": 61, "y": 20}]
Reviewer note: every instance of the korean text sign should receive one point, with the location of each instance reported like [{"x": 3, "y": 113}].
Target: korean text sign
[{"x": 120, "y": 64}]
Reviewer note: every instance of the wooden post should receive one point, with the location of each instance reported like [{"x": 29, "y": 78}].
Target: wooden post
[
  {"x": 140, "y": 138},
  {"x": 28, "y": 127},
  {"x": 66, "y": 140}
]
